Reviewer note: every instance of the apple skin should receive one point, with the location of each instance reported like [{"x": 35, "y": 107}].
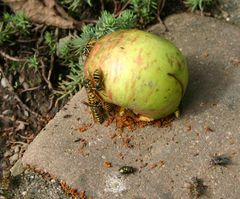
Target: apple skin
[{"x": 141, "y": 71}]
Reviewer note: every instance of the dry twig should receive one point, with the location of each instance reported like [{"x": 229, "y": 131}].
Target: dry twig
[
  {"x": 44, "y": 74},
  {"x": 123, "y": 8},
  {"x": 19, "y": 142},
  {"x": 30, "y": 89},
  {"x": 24, "y": 106},
  {"x": 102, "y": 5},
  {"x": 50, "y": 104},
  {"x": 52, "y": 59},
  {"x": 40, "y": 40},
  {"x": 9, "y": 57},
  {"x": 159, "y": 10}
]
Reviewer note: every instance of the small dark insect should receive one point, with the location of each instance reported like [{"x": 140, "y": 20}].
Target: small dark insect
[
  {"x": 197, "y": 188},
  {"x": 98, "y": 79},
  {"x": 221, "y": 160},
  {"x": 67, "y": 116},
  {"x": 78, "y": 140},
  {"x": 125, "y": 170}
]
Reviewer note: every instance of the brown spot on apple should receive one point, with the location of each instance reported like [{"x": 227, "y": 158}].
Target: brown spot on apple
[
  {"x": 139, "y": 58},
  {"x": 110, "y": 94}
]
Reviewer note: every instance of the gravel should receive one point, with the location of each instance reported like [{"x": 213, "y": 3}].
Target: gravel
[
  {"x": 30, "y": 185},
  {"x": 232, "y": 10}
]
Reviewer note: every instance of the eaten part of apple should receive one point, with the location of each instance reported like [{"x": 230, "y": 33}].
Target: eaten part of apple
[{"x": 140, "y": 71}]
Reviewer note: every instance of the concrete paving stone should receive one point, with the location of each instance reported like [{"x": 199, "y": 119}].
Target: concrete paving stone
[
  {"x": 166, "y": 158},
  {"x": 231, "y": 11}
]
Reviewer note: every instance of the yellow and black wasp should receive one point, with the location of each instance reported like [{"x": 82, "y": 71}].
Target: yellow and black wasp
[
  {"x": 108, "y": 107},
  {"x": 98, "y": 113},
  {"x": 99, "y": 86},
  {"x": 94, "y": 102},
  {"x": 98, "y": 80},
  {"x": 93, "y": 99}
]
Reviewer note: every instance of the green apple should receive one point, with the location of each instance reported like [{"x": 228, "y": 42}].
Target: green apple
[{"x": 141, "y": 71}]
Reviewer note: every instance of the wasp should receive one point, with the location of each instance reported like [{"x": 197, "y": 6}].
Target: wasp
[
  {"x": 97, "y": 113},
  {"x": 88, "y": 85},
  {"x": 197, "y": 187},
  {"x": 93, "y": 99},
  {"x": 94, "y": 102},
  {"x": 108, "y": 107},
  {"x": 220, "y": 160},
  {"x": 90, "y": 45},
  {"x": 99, "y": 86},
  {"x": 125, "y": 170},
  {"x": 98, "y": 80}
]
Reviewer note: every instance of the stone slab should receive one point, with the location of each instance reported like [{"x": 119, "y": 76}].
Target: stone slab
[
  {"x": 231, "y": 10},
  {"x": 166, "y": 158}
]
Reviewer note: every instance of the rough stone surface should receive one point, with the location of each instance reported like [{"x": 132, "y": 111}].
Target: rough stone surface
[
  {"x": 231, "y": 11},
  {"x": 166, "y": 158},
  {"x": 30, "y": 185},
  {"x": 17, "y": 168}
]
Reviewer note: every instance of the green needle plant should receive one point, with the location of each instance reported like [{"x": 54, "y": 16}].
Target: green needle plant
[
  {"x": 74, "y": 5},
  {"x": 145, "y": 10},
  {"x": 70, "y": 48},
  {"x": 11, "y": 24},
  {"x": 74, "y": 49},
  {"x": 199, "y": 4}
]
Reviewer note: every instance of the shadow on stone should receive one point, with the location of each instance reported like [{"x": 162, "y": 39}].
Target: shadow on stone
[{"x": 208, "y": 83}]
